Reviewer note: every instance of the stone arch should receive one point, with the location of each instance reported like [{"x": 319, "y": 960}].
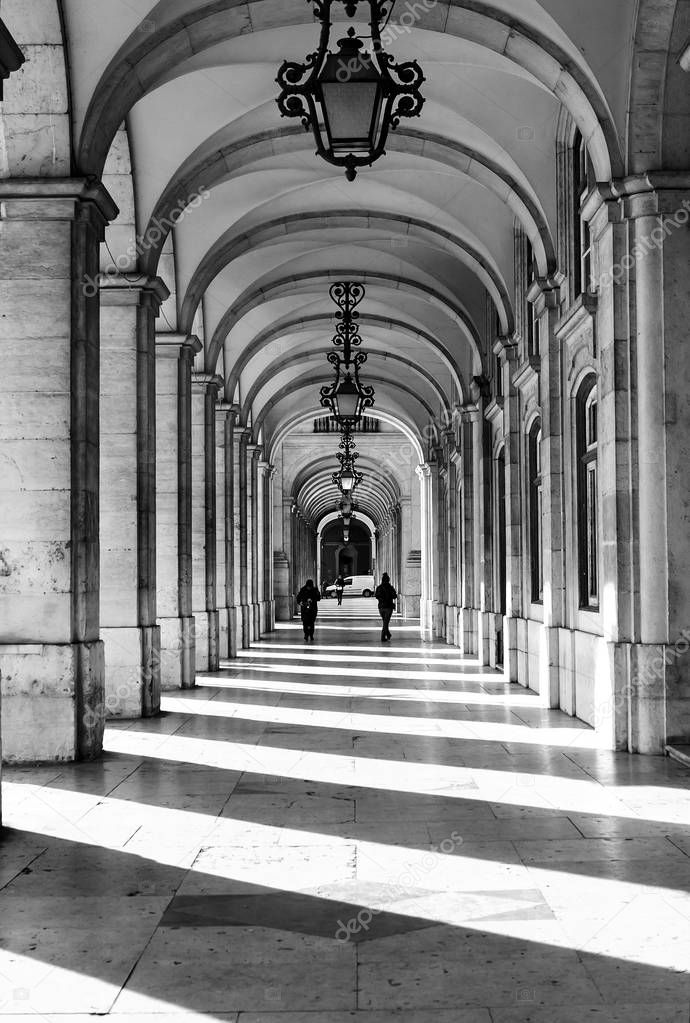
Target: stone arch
[
  {"x": 272, "y": 333},
  {"x": 143, "y": 62},
  {"x": 217, "y": 160},
  {"x": 315, "y": 381},
  {"x": 659, "y": 107},
  {"x": 300, "y": 359},
  {"x": 259, "y": 294},
  {"x": 232, "y": 245},
  {"x": 386, "y": 417}
]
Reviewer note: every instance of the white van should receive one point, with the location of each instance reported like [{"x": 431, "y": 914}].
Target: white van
[{"x": 355, "y": 586}]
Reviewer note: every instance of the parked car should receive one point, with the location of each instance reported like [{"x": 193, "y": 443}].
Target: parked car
[{"x": 355, "y": 586}]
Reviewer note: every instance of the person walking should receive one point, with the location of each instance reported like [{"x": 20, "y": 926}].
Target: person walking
[
  {"x": 308, "y": 599},
  {"x": 339, "y": 587},
  {"x": 386, "y": 596}
]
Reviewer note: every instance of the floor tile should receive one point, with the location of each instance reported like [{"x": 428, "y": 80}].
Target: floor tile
[{"x": 410, "y": 840}]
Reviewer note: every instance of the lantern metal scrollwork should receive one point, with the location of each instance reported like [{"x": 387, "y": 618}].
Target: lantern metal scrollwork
[{"x": 351, "y": 98}]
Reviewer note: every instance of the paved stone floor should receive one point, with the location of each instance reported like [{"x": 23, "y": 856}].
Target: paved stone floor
[{"x": 348, "y": 831}]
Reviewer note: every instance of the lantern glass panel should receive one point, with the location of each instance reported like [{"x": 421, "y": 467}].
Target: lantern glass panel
[
  {"x": 352, "y": 98},
  {"x": 347, "y": 400}
]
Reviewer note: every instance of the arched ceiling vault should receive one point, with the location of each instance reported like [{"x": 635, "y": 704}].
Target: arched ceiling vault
[
  {"x": 324, "y": 321},
  {"x": 262, "y": 227},
  {"x": 186, "y": 28},
  {"x": 292, "y": 423},
  {"x": 287, "y": 284},
  {"x": 371, "y": 373},
  {"x": 218, "y": 160},
  {"x": 308, "y": 387},
  {"x": 315, "y": 493}
]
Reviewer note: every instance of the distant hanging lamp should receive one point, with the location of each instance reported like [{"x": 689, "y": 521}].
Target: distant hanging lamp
[
  {"x": 351, "y": 98},
  {"x": 347, "y": 477},
  {"x": 347, "y": 397}
]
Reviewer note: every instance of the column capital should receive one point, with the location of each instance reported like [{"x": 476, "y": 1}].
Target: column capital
[
  {"x": 506, "y": 347},
  {"x": 125, "y": 290},
  {"x": 423, "y": 470},
  {"x": 243, "y": 434},
  {"x": 480, "y": 389},
  {"x": 56, "y": 199},
  {"x": 469, "y": 413},
  {"x": 544, "y": 293},
  {"x": 224, "y": 410},
  {"x": 266, "y": 468},
  {"x": 207, "y": 381},
  {"x": 176, "y": 346},
  {"x": 651, "y": 193}
]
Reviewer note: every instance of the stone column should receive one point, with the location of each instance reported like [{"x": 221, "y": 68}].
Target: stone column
[
  {"x": 483, "y": 522},
  {"x": 205, "y": 388},
  {"x": 265, "y": 544},
  {"x": 282, "y": 563},
  {"x": 451, "y": 540},
  {"x": 51, "y": 656},
  {"x": 511, "y": 430},
  {"x": 235, "y": 499},
  {"x": 468, "y": 618},
  {"x": 174, "y": 359},
  {"x": 546, "y": 299},
  {"x": 244, "y": 523},
  {"x": 128, "y": 495},
  {"x": 658, "y": 206},
  {"x": 426, "y": 601},
  {"x": 224, "y": 526},
  {"x": 254, "y": 455}
]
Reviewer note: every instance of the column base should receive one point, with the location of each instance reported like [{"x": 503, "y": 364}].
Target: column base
[
  {"x": 659, "y": 695},
  {"x": 223, "y": 634},
  {"x": 246, "y": 626},
  {"x": 426, "y": 619},
  {"x": 52, "y": 702},
  {"x": 549, "y": 667},
  {"x": 132, "y": 671},
  {"x": 510, "y": 649},
  {"x": 206, "y": 639},
  {"x": 234, "y": 631},
  {"x": 264, "y": 617},
  {"x": 467, "y": 630},
  {"x": 178, "y": 653},
  {"x": 256, "y": 622}
]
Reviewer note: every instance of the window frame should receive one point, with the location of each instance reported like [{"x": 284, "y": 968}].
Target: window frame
[
  {"x": 587, "y": 496},
  {"x": 535, "y": 512}
]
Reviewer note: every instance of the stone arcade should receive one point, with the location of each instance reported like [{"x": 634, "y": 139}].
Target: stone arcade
[{"x": 167, "y": 243}]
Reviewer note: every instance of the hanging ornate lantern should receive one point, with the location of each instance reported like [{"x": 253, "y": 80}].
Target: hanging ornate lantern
[
  {"x": 350, "y": 99},
  {"x": 347, "y": 396}
]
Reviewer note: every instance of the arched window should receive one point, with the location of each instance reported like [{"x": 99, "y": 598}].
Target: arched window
[
  {"x": 533, "y": 347},
  {"x": 583, "y": 179},
  {"x": 587, "y": 494},
  {"x": 535, "y": 513}
]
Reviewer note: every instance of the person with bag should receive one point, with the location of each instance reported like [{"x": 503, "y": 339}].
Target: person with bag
[
  {"x": 386, "y": 596},
  {"x": 339, "y": 587},
  {"x": 308, "y": 599}
]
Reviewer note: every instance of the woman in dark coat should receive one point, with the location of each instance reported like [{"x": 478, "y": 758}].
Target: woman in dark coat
[{"x": 308, "y": 599}]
